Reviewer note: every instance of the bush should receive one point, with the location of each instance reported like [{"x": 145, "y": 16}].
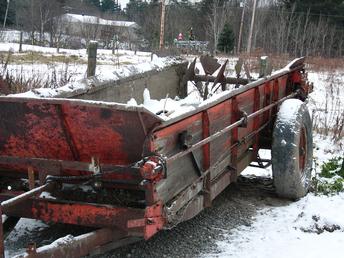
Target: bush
[
  {"x": 331, "y": 178},
  {"x": 334, "y": 167}
]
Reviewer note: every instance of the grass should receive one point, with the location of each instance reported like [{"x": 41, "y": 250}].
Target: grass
[{"x": 40, "y": 58}]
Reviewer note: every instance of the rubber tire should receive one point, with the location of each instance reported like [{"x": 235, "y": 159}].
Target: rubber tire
[{"x": 290, "y": 181}]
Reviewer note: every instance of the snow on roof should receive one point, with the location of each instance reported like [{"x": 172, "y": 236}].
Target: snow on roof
[{"x": 78, "y": 18}]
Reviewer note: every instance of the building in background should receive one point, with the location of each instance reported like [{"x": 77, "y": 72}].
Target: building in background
[{"x": 94, "y": 28}]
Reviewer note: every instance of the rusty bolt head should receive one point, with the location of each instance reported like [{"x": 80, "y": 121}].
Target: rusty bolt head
[
  {"x": 31, "y": 248},
  {"x": 98, "y": 184},
  {"x": 150, "y": 221}
]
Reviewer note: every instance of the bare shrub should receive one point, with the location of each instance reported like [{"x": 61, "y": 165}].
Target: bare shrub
[
  {"x": 328, "y": 117},
  {"x": 12, "y": 83}
]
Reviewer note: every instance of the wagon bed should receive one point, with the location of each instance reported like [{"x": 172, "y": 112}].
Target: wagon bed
[{"x": 142, "y": 173}]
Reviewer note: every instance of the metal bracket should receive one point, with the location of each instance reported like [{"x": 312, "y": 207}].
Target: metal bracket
[
  {"x": 185, "y": 140},
  {"x": 261, "y": 162},
  {"x": 243, "y": 114}
]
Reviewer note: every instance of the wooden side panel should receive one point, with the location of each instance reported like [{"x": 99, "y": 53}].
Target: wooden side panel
[{"x": 184, "y": 171}]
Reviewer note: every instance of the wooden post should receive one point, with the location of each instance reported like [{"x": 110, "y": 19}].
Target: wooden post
[
  {"x": 162, "y": 24},
  {"x": 113, "y": 44},
  {"x": 21, "y": 42},
  {"x": 92, "y": 58},
  {"x": 249, "y": 45},
  {"x": 58, "y": 45},
  {"x": 241, "y": 27}
]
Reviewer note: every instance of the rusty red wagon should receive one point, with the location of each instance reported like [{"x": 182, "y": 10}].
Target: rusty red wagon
[{"x": 128, "y": 174}]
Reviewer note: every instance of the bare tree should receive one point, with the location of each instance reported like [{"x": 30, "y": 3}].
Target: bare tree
[{"x": 217, "y": 19}]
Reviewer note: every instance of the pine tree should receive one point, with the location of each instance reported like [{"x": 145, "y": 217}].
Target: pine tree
[
  {"x": 107, "y": 6},
  {"x": 226, "y": 39},
  {"x": 95, "y": 3}
]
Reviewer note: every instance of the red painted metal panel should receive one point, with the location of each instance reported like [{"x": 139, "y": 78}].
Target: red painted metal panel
[{"x": 64, "y": 130}]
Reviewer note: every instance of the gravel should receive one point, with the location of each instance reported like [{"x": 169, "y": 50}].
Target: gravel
[{"x": 234, "y": 207}]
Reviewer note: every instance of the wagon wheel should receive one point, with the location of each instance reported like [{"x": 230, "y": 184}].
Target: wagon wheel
[{"x": 292, "y": 150}]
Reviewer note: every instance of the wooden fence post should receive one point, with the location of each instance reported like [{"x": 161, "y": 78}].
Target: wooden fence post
[
  {"x": 21, "y": 42},
  {"x": 92, "y": 58}
]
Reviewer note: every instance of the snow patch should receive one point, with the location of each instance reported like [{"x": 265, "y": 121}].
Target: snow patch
[{"x": 283, "y": 228}]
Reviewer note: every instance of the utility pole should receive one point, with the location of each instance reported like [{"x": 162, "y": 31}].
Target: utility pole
[
  {"x": 5, "y": 19},
  {"x": 249, "y": 45},
  {"x": 242, "y": 4},
  {"x": 162, "y": 24}
]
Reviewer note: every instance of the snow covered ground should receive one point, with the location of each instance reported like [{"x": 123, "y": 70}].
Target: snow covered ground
[
  {"x": 313, "y": 226},
  {"x": 109, "y": 67},
  {"x": 310, "y": 227}
]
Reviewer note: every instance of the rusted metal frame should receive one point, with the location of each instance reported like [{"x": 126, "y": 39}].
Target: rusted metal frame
[
  {"x": 66, "y": 132},
  {"x": 267, "y": 100},
  {"x": 151, "y": 173},
  {"x": 227, "y": 129},
  {"x": 256, "y": 120},
  {"x": 79, "y": 246},
  {"x": 63, "y": 164},
  {"x": 76, "y": 213},
  {"x": 225, "y": 80},
  {"x": 150, "y": 192},
  {"x": 275, "y": 95},
  {"x": 206, "y": 157},
  {"x": 234, "y": 136},
  {"x": 152, "y": 221},
  {"x": 6, "y": 205},
  {"x": 141, "y": 222}
]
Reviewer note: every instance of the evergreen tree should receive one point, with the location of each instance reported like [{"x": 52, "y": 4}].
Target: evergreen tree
[
  {"x": 226, "y": 39},
  {"x": 95, "y": 3}
]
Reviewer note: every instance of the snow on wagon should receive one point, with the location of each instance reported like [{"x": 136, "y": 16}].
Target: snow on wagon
[{"x": 80, "y": 157}]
